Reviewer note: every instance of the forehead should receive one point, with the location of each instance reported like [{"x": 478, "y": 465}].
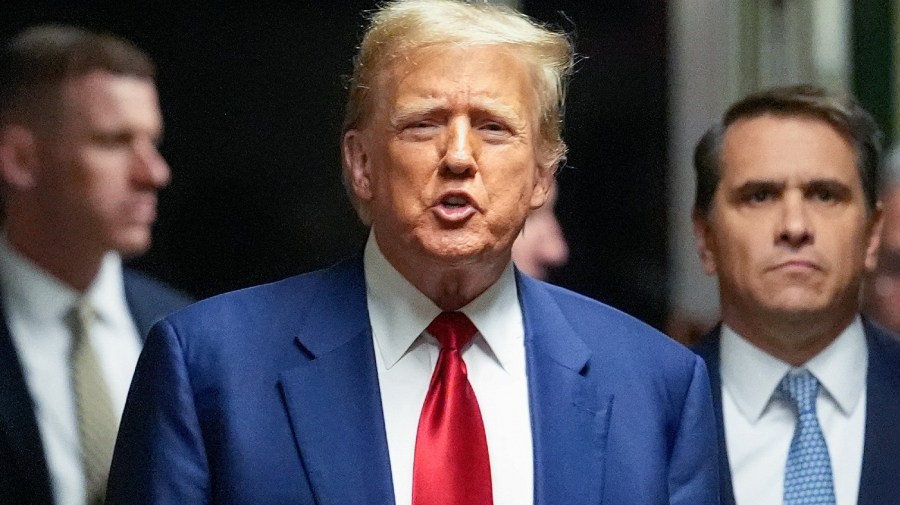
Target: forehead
[
  {"x": 102, "y": 97},
  {"x": 447, "y": 75},
  {"x": 781, "y": 148}
]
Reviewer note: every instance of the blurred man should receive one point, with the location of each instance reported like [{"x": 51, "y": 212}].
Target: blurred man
[
  {"x": 787, "y": 218},
  {"x": 79, "y": 128},
  {"x": 426, "y": 370},
  {"x": 883, "y": 286},
  {"x": 541, "y": 245}
]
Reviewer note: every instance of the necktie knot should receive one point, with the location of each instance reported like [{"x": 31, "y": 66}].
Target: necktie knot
[
  {"x": 452, "y": 329},
  {"x": 801, "y": 389},
  {"x": 79, "y": 319}
]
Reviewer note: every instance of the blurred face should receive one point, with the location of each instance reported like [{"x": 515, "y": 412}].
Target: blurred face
[
  {"x": 541, "y": 245},
  {"x": 883, "y": 289},
  {"x": 788, "y": 234},
  {"x": 100, "y": 168},
  {"x": 448, "y": 162}
]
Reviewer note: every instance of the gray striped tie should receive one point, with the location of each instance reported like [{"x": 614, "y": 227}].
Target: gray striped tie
[{"x": 97, "y": 424}]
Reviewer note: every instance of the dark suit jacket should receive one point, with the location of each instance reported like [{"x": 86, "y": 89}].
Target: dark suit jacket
[
  {"x": 880, "y": 480},
  {"x": 270, "y": 395},
  {"x": 24, "y": 477}
]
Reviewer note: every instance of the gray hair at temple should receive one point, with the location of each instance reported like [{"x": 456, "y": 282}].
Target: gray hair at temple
[
  {"x": 842, "y": 112},
  {"x": 35, "y": 63},
  {"x": 403, "y": 26}
]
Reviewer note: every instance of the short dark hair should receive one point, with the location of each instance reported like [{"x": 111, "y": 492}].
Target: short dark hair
[
  {"x": 35, "y": 62},
  {"x": 842, "y": 112}
]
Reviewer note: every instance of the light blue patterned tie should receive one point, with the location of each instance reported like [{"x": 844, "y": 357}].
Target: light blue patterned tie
[{"x": 807, "y": 475}]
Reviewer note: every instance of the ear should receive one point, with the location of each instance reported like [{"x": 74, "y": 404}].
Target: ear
[
  {"x": 542, "y": 185},
  {"x": 18, "y": 157},
  {"x": 357, "y": 169},
  {"x": 874, "y": 239},
  {"x": 705, "y": 244}
]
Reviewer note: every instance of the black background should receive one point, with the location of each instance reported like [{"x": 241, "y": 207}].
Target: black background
[{"x": 252, "y": 97}]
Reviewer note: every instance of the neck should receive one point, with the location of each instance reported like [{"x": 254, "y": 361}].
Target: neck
[
  {"x": 794, "y": 339},
  {"x": 450, "y": 287},
  {"x": 70, "y": 262}
]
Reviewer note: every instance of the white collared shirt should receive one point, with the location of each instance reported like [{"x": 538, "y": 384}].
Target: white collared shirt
[
  {"x": 36, "y": 305},
  {"x": 406, "y": 356},
  {"x": 759, "y": 423}
]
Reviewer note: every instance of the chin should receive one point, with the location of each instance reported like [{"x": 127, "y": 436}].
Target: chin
[{"x": 132, "y": 244}]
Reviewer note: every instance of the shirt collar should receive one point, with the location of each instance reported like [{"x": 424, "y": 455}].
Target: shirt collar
[
  {"x": 40, "y": 296},
  {"x": 842, "y": 366},
  {"x": 30, "y": 290},
  {"x": 399, "y": 312},
  {"x": 107, "y": 292},
  {"x": 751, "y": 375}
]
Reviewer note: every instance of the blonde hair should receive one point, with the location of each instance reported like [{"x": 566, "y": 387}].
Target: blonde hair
[{"x": 403, "y": 26}]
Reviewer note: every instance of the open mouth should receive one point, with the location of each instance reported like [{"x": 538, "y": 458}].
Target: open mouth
[
  {"x": 454, "y": 208},
  {"x": 454, "y": 202}
]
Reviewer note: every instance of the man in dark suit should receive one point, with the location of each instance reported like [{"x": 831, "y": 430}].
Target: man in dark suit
[
  {"x": 787, "y": 218},
  {"x": 426, "y": 370},
  {"x": 79, "y": 168}
]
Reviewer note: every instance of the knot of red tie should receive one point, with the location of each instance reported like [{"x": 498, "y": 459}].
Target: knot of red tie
[{"x": 452, "y": 329}]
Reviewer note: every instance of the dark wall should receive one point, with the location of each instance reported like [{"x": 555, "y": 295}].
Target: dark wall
[
  {"x": 612, "y": 203},
  {"x": 252, "y": 98}
]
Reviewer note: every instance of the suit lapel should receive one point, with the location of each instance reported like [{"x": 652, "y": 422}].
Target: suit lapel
[
  {"x": 19, "y": 432},
  {"x": 570, "y": 418},
  {"x": 879, "y": 482},
  {"x": 708, "y": 349},
  {"x": 333, "y": 400}
]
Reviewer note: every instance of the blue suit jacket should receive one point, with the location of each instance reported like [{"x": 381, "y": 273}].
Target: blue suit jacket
[
  {"x": 270, "y": 395},
  {"x": 880, "y": 479},
  {"x": 24, "y": 478}
]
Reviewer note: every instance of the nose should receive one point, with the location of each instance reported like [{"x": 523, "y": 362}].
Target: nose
[
  {"x": 149, "y": 168},
  {"x": 462, "y": 147},
  {"x": 795, "y": 230}
]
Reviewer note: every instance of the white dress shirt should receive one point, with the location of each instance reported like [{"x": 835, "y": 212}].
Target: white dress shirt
[
  {"x": 406, "y": 356},
  {"x": 759, "y": 422},
  {"x": 36, "y": 305}
]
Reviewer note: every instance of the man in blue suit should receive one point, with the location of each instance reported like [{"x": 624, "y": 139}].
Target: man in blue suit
[
  {"x": 79, "y": 169},
  {"x": 355, "y": 384},
  {"x": 787, "y": 217}
]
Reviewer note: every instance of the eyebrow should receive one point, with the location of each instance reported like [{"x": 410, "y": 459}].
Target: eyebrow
[
  {"x": 754, "y": 185},
  {"x": 426, "y": 106}
]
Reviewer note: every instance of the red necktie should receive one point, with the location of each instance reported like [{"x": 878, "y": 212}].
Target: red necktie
[{"x": 451, "y": 464}]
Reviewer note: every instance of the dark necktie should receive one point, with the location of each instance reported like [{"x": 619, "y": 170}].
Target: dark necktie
[
  {"x": 451, "y": 464},
  {"x": 807, "y": 476},
  {"x": 97, "y": 423}
]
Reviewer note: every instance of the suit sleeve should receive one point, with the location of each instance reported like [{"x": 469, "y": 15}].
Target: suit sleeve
[
  {"x": 693, "y": 465},
  {"x": 160, "y": 456}
]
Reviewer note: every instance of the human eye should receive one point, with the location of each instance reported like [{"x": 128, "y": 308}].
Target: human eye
[
  {"x": 418, "y": 128},
  {"x": 494, "y": 130},
  {"x": 112, "y": 139},
  {"x": 823, "y": 195},
  {"x": 759, "y": 195},
  {"x": 828, "y": 192},
  {"x": 420, "y": 124},
  {"x": 755, "y": 194}
]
